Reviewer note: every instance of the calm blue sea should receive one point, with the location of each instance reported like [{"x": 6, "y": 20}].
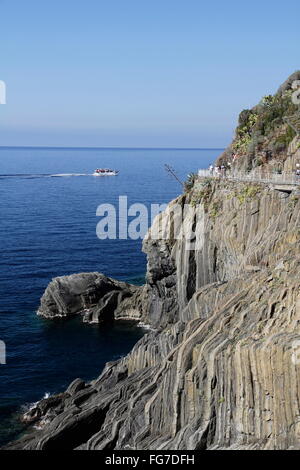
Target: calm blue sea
[{"x": 48, "y": 229}]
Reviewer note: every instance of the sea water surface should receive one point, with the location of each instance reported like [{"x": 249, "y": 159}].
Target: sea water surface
[{"x": 48, "y": 202}]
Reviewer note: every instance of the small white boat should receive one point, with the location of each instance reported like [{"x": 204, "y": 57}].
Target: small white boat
[{"x": 105, "y": 172}]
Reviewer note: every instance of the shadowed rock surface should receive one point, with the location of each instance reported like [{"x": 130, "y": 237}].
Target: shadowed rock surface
[{"x": 93, "y": 294}]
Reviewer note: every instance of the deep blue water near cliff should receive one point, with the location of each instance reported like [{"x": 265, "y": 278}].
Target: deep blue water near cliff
[{"x": 48, "y": 229}]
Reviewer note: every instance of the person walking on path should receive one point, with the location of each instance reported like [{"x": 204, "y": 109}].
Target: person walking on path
[{"x": 297, "y": 172}]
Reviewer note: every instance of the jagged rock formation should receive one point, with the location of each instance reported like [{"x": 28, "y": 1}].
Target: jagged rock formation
[
  {"x": 94, "y": 295},
  {"x": 219, "y": 372},
  {"x": 221, "y": 368}
]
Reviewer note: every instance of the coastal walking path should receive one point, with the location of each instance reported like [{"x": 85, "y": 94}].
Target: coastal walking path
[{"x": 281, "y": 181}]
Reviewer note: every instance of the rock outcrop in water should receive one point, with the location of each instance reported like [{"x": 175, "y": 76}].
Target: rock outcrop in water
[
  {"x": 221, "y": 368},
  {"x": 94, "y": 295}
]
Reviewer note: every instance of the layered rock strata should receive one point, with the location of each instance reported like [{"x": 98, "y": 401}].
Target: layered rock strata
[{"x": 221, "y": 369}]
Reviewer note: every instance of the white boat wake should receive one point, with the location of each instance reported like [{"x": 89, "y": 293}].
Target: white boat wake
[
  {"x": 61, "y": 175},
  {"x": 58, "y": 175},
  {"x": 32, "y": 176}
]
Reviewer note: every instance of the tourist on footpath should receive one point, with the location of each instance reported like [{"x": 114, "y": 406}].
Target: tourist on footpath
[{"x": 297, "y": 172}]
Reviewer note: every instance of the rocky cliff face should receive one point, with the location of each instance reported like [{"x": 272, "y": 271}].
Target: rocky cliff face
[
  {"x": 267, "y": 136},
  {"x": 97, "y": 297},
  {"x": 221, "y": 367}
]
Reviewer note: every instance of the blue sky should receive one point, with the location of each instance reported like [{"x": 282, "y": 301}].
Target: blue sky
[{"x": 144, "y": 73}]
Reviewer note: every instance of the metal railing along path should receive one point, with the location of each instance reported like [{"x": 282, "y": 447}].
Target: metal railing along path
[{"x": 283, "y": 178}]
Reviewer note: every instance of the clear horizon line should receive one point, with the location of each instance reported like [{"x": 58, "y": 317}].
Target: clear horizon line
[{"x": 105, "y": 148}]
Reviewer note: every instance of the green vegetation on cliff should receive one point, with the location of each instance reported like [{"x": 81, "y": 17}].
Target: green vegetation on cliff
[{"x": 265, "y": 132}]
